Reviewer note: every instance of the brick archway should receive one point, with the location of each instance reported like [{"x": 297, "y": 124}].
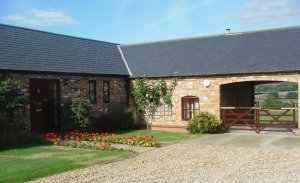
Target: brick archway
[
  {"x": 264, "y": 78},
  {"x": 239, "y": 92}
]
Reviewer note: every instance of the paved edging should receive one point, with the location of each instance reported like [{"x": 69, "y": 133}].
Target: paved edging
[{"x": 137, "y": 149}]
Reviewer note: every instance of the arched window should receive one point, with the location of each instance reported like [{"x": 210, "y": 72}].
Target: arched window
[{"x": 189, "y": 106}]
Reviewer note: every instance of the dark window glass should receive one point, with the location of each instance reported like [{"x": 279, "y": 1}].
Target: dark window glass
[
  {"x": 106, "y": 92},
  {"x": 92, "y": 91}
]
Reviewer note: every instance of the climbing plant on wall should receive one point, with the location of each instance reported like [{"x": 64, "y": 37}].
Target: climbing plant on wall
[
  {"x": 11, "y": 95},
  {"x": 12, "y": 98},
  {"x": 149, "y": 95}
]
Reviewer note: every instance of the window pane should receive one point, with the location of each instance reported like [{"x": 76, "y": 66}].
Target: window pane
[
  {"x": 195, "y": 104},
  {"x": 92, "y": 86},
  {"x": 92, "y": 91},
  {"x": 186, "y": 104},
  {"x": 186, "y": 114},
  {"x": 163, "y": 110},
  {"x": 105, "y": 86},
  {"x": 106, "y": 92}
]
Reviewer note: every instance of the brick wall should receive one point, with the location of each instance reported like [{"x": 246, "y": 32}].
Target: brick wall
[
  {"x": 78, "y": 86},
  {"x": 210, "y": 97}
]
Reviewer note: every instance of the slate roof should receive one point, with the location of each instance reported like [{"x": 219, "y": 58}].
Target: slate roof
[
  {"x": 30, "y": 50},
  {"x": 274, "y": 50}
]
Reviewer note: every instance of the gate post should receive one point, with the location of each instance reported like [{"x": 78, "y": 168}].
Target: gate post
[
  {"x": 257, "y": 121},
  {"x": 298, "y": 110},
  {"x": 223, "y": 118}
]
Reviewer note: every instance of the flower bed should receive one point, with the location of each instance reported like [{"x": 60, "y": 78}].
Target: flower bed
[{"x": 76, "y": 137}]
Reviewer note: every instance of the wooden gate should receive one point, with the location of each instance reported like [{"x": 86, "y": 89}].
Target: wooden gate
[{"x": 259, "y": 118}]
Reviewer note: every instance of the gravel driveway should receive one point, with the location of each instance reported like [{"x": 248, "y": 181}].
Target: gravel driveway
[{"x": 184, "y": 162}]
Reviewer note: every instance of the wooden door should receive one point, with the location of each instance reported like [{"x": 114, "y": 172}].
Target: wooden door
[{"x": 44, "y": 105}]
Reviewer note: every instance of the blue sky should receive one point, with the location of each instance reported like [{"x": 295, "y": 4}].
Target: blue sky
[{"x": 133, "y": 21}]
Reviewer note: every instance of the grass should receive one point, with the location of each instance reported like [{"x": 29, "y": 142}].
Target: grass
[
  {"x": 27, "y": 162},
  {"x": 162, "y": 137},
  {"x": 274, "y": 112},
  {"x": 31, "y": 161}
]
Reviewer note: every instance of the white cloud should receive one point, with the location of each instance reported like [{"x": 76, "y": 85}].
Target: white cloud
[
  {"x": 270, "y": 12},
  {"x": 42, "y": 17}
]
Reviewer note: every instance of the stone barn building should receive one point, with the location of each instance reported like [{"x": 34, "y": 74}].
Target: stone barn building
[{"x": 214, "y": 71}]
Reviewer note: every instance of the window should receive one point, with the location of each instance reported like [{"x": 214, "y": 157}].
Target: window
[
  {"x": 163, "y": 110},
  {"x": 106, "y": 90},
  {"x": 189, "y": 106},
  {"x": 92, "y": 91}
]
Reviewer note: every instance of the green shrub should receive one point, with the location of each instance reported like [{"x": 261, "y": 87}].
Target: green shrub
[
  {"x": 292, "y": 95},
  {"x": 66, "y": 121},
  {"x": 11, "y": 95},
  {"x": 204, "y": 122},
  {"x": 73, "y": 143},
  {"x": 12, "y": 101},
  {"x": 273, "y": 101},
  {"x": 77, "y": 114},
  {"x": 82, "y": 114},
  {"x": 119, "y": 117}
]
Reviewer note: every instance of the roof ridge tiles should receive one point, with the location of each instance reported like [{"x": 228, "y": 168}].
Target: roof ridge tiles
[
  {"x": 58, "y": 34},
  {"x": 211, "y": 36}
]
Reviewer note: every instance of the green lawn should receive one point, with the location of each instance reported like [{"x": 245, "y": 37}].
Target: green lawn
[
  {"x": 28, "y": 162},
  {"x": 288, "y": 118},
  {"x": 162, "y": 137}
]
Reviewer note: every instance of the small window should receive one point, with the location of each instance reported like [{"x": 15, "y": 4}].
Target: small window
[
  {"x": 163, "y": 110},
  {"x": 106, "y": 92},
  {"x": 92, "y": 91},
  {"x": 189, "y": 107}
]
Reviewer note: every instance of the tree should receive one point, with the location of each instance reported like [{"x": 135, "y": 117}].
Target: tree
[{"x": 272, "y": 100}]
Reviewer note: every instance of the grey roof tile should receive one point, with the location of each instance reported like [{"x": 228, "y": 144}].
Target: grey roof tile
[
  {"x": 248, "y": 52},
  {"x": 30, "y": 50}
]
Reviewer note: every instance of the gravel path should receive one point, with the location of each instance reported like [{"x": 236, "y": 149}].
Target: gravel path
[{"x": 194, "y": 163}]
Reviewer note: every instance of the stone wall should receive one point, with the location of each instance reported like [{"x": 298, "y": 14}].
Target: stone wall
[
  {"x": 75, "y": 85},
  {"x": 210, "y": 97}
]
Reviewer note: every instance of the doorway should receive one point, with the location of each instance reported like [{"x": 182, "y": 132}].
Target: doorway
[
  {"x": 44, "y": 105},
  {"x": 252, "y": 105}
]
